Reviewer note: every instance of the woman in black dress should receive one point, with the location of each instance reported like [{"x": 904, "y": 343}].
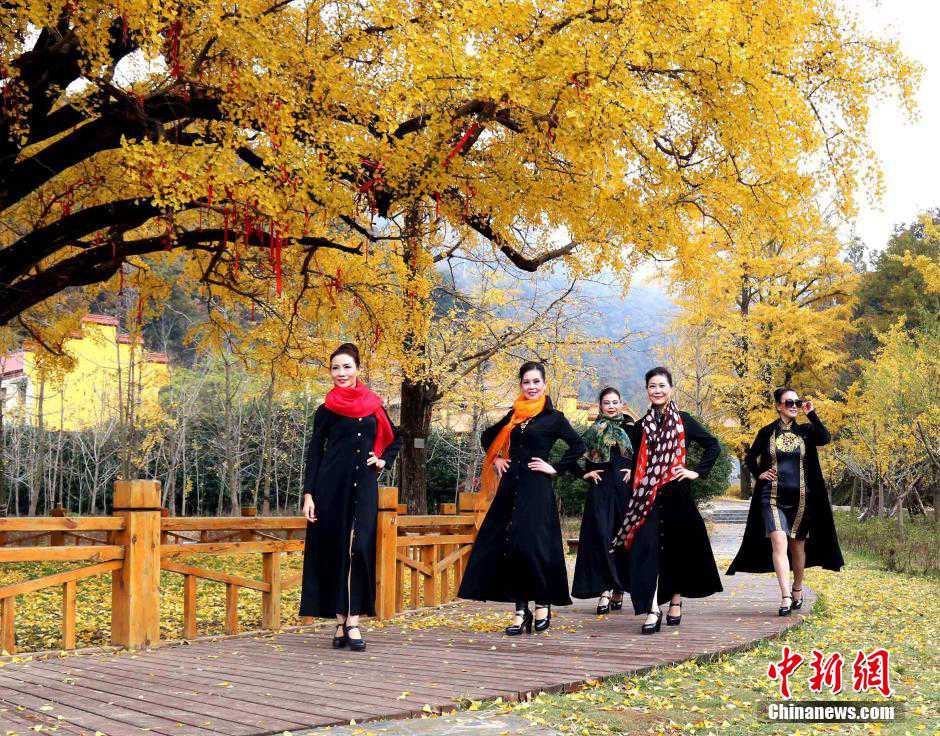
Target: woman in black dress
[
  {"x": 598, "y": 571},
  {"x": 670, "y": 555},
  {"x": 518, "y": 555},
  {"x": 353, "y": 440},
  {"x": 790, "y": 516}
]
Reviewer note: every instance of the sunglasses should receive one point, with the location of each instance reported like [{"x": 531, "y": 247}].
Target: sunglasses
[{"x": 790, "y": 403}]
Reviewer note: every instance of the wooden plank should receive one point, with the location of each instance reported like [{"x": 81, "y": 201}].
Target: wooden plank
[
  {"x": 409, "y": 522},
  {"x": 98, "y": 553},
  {"x": 415, "y": 578},
  {"x": 218, "y": 523},
  {"x": 231, "y": 609},
  {"x": 44, "y": 524},
  {"x": 414, "y": 564},
  {"x": 121, "y": 708},
  {"x": 205, "y": 698},
  {"x": 219, "y": 577},
  {"x": 228, "y": 548},
  {"x": 423, "y": 540},
  {"x": 68, "y": 615},
  {"x": 144, "y": 697},
  {"x": 59, "y": 578},
  {"x": 189, "y": 607}
]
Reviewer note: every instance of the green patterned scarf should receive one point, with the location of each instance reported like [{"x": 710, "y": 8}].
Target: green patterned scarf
[{"x": 604, "y": 434}]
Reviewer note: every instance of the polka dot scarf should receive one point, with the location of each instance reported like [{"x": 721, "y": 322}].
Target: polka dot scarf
[{"x": 661, "y": 454}]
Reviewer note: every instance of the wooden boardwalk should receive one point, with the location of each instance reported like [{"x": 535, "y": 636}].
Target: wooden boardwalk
[{"x": 292, "y": 680}]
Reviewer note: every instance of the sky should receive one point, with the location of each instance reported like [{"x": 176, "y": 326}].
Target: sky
[{"x": 909, "y": 152}]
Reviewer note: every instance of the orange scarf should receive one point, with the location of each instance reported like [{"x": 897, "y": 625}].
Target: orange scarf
[{"x": 523, "y": 409}]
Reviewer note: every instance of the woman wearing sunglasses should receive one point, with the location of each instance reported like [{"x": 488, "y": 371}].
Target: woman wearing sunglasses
[{"x": 790, "y": 518}]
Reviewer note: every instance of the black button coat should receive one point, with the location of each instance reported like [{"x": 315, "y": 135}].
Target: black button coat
[
  {"x": 339, "y": 553},
  {"x": 673, "y": 543},
  {"x": 822, "y": 542},
  {"x": 518, "y": 554}
]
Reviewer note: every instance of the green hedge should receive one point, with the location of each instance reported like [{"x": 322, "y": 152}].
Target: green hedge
[{"x": 917, "y": 553}]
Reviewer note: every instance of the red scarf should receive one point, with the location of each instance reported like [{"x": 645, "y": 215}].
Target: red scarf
[
  {"x": 361, "y": 401},
  {"x": 662, "y": 452}
]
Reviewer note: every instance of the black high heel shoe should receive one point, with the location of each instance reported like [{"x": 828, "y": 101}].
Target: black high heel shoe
[
  {"x": 674, "y": 620},
  {"x": 526, "y": 625},
  {"x": 796, "y": 605},
  {"x": 615, "y": 604},
  {"x": 653, "y": 628},
  {"x": 542, "y": 624},
  {"x": 786, "y": 610},
  {"x": 339, "y": 641},
  {"x": 605, "y": 609},
  {"x": 357, "y": 645}
]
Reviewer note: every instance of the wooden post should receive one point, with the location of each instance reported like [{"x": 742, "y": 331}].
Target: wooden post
[
  {"x": 248, "y": 512},
  {"x": 189, "y": 607},
  {"x": 430, "y": 555},
  {"x": 135, "y": 587},
  {"x": 231, "y": 609},
  {"x": 68, "y": 615},
  {"x": 7, "y": 631},
  {"x": 474, "y": 505},
  {"x": 271, "y": 601},
  {"x": 57, "y": 539},
  {"x": 448, "y": 509},
  {"x": 386, "y": 552},
  {"x": 164, "y": 513}
]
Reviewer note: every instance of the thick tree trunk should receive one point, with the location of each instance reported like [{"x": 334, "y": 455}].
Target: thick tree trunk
[{"x": 417, "y": 402}]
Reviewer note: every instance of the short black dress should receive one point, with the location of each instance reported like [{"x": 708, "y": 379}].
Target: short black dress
[{"x": 783, "y": 500}]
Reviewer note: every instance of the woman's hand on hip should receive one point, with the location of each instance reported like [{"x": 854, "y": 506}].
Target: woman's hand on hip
[
  {"x": 309, "y": 511},
  {"x": 769, "y": 474},
  {"x": 540, "y": 466},
  {"x": 594, "y": 475},
  {"x": 500, "y": 466},
  {"x": 378, "y": 462},
  {"x": 626, "y": 474},
  {"x": 684, "y": 474}
]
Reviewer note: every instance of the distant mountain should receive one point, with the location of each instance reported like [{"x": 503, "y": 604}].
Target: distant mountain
[{"x": 644, "y": 314}]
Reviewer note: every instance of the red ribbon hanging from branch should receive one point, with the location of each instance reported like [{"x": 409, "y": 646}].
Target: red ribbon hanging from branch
[{"x": 460, "y": 144}]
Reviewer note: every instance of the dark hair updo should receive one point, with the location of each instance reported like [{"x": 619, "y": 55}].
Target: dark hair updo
[
  {"x": 531, "y": 365},
  {"x": 347, "y": 348},
  {"x": 658, "y": 371},
  {"x": 608, "y": 390},
  {"x": 778, "y": 393}
]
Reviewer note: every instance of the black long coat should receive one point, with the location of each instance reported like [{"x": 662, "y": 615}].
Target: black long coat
[
  {"x": 339, "y": 553},
  {"x": 822, "y": 542},
  {"x": 597, "y": 568},
  {"x": 673, "y": 542},
  {"x": 518, "y": 553}
]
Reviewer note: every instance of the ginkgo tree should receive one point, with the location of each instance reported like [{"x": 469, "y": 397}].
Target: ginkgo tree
[
  {"x": 764, "y": 312},
  {"x": 288, "y": 150}
]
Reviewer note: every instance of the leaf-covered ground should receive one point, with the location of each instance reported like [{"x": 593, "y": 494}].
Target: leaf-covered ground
[{"x": 863, "y": 607}]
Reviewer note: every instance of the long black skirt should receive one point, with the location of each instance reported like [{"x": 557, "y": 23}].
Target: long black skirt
[
  {"x": 673, "y": 548},
  {"x": 597, "y": 569}
]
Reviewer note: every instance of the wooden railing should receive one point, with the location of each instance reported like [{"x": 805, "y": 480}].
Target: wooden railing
[{"x": 419, "y": 560}]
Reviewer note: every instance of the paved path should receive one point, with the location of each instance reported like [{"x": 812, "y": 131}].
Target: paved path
[{"x": 293, "y": 680}]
